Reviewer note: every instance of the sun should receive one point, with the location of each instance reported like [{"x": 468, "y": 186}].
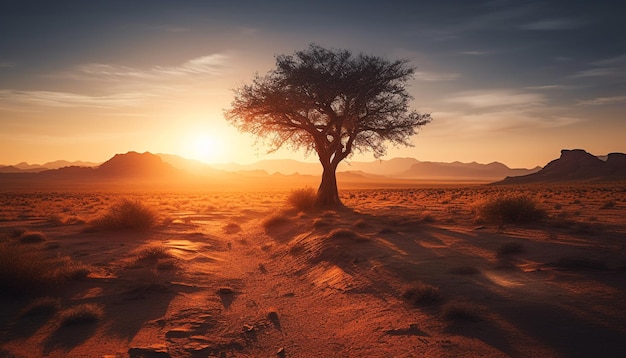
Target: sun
[{"x": 201, "y": 146}]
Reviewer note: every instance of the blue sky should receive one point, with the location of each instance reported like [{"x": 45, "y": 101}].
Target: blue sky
[{"x": 508, "y": 81}]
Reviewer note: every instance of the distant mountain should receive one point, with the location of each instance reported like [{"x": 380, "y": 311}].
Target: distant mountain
[
  {"x": 576, "y": 166},
  {"x": 283, "y": 166},
  {"x": 395, "y": 168},
  {"x": 64, "y": 163},
  {"x": 24, "y": 167},
  {"x": 458, "y": 170},
  {"x": 189, "y": 165},
  {"x": 133, "y": 164}
]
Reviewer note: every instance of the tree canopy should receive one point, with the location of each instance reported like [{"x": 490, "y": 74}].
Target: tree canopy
[{"x": 330, "y": 102}]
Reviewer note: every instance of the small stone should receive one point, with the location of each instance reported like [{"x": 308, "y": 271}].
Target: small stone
[{"x": 280, "y": 352}]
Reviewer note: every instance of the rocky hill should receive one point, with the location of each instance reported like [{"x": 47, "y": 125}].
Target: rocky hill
[{"x": 576, "y": 166}]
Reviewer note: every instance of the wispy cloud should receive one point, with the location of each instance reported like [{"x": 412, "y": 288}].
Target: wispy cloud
[
  {"x": 66, "y": 99},
  {"x": 601, "y": 101},
  {"x": 553, "y": 25},
  {"x": 435, "y": 76},
  {"x": 204, "y": 65},
  {"x": 475, "y": 53},
  {"x": 7, "y": 65},
  {"x": 549, "y": 87},
  {"x": 609, "y": 67},
  {"x": 497, "y": 98}
]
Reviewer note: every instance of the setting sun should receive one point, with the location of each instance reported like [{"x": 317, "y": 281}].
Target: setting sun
[{"x": 201, "y": 146}]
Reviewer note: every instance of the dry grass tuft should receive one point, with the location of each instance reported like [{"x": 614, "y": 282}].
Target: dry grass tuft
[
  {"x": 509, "y": 209},
  {"x": 24, "y": 271},
  {"x": 302, "y": 199},
  {"x": 84, "y": 313},
  {"x": 32, "y": 237},
  {"x": 275, "y": 221},
  {"x": 126, "y": 215},
  {"x": 43, "y": 306},
  {"x": 346, "y": 234},
  {"x": 421, "y": 294},
  {"x": 460, "y": 311}
]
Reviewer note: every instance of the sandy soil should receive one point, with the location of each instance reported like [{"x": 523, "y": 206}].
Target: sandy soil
[{"x": 245, "y": 276}]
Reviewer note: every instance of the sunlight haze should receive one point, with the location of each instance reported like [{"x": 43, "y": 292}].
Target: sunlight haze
[{"x": 506, "y": 81}]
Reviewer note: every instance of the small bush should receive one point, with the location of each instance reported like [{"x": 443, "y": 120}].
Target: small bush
[
  {"x": 43, "y": 306},
  {"x": 346, "y": 234},
  {"x": 126, "y": 215},
  {"x": 32, "y": 237},
  {"x": 421, "y": 294},
  {"x": 302, "y": 199},
  {"x": 275, "y": 221},
  {"x": 24, "y": 271},
  {"x": 84, "y": 313},
  {"x": 510, "y": 209},
  {"x": 460, "y": 311}
]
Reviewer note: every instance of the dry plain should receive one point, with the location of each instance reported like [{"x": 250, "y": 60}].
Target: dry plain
[{"x": 406, "y": 272}]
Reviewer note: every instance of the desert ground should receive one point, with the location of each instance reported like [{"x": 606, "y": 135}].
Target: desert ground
[{"x": 405, "y": 272}]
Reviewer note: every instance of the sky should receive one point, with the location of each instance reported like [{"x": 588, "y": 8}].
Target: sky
[{"x": 512, "y": 81}]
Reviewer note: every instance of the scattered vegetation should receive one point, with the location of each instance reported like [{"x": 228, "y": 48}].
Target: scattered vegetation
[
  {"x": 126, "y": 215},
  {"x": 346, "y": 234},
  {"x": 32, "y": 237},
  {"x": 42, "y": 306},
  {"x": 84, "y": 313},
  {"x": 421, "y": 294},
  {"x": 302, "y": 199},
  {"x": 28, "y": 272},
  {"x": 460, "y": 311},
  {"x": 24, "y": 271},
  {"x": 510, "y": 209},
  {"x": 275, "y": 221},
  {"x": 609, "y": 204}
]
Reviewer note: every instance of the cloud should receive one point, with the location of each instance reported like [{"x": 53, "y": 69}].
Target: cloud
[
  {"x": 497, "y": 98},
  {"x": 549, "y": 87},
  {"x": 601, "y": 101},
  {"x": 435, "y": 76},
  {"x": 204, "y": 65},
  {"x": 475, "y": 53},
  {"x": 7, "y": 65},
  {"x": 66, "y": 99},
  {"x": 553, "y": 25}
]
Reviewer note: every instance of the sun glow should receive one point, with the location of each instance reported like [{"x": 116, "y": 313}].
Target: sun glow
[{"x": 203, "y": 147}]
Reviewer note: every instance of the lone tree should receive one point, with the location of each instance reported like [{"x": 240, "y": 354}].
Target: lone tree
[{"x": 330, "y": 102}]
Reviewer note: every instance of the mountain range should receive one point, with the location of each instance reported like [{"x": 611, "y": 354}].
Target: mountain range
[
  {"x": 160, "y": 169},
  {"x": 133, "y": 164}
]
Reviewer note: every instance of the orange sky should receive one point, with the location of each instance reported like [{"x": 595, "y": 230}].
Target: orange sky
[{"x": 503, "y": 83}]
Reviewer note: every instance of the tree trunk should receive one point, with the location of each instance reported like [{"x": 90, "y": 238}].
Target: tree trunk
[{"x": 327, "y": 193}]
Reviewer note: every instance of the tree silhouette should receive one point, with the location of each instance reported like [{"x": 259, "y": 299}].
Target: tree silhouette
[{"x": 332, "y": 103}]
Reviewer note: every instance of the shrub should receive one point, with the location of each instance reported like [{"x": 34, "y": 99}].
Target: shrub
[
  {"x": 24, "y": 271},
  {"x": 84, "y": 313},
  {"x": 302, "y": 199},
  {"x": 275, "y": 221},
  {"x": 126, "y": 215},
  {"x": 460, "y": 311},
  {"x": 420, "y": 294},
  {"x": 43, "y": 306},
  {"x": 32, "y": 237},
  {"x": 510, "y": 209}
]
